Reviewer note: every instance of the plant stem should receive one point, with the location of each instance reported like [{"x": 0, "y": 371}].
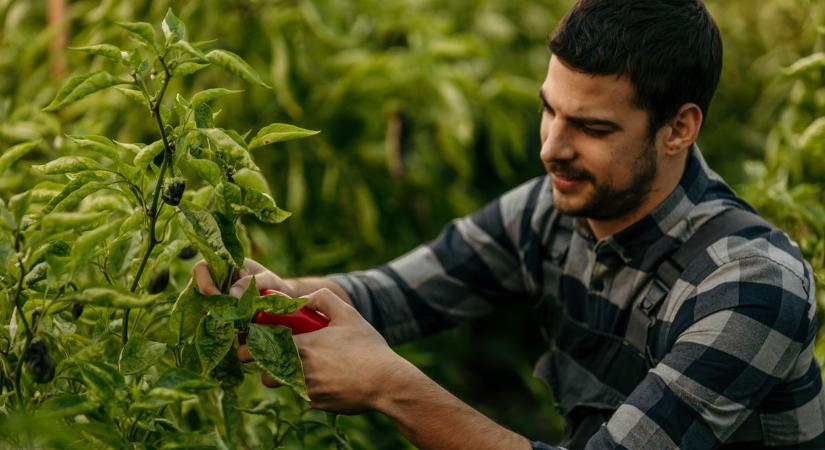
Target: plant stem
[
  {"x": 227, "y": 283},
  {"x": 19, "y": 368},
  {"x": 154, "y": 210}
]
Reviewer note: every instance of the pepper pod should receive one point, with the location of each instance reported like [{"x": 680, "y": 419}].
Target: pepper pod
[
  {"x": 173, "y": 190},
  {"x": 40, "y": 364}
]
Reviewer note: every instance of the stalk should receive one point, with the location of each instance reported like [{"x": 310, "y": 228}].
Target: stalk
[
  {"x": 29, "y": 336},
  {"x": 154, "y": 210}
]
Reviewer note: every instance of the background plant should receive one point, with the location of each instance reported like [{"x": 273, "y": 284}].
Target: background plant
[{"x": 395, "y": 87}]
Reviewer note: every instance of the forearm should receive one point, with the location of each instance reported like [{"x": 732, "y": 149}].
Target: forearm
[
  {"x": 432, "y": 418},
  {"x": 307, "y": 285}
]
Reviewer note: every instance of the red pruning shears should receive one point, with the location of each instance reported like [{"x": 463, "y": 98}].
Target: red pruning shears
[{"x": 303, "y": 320}]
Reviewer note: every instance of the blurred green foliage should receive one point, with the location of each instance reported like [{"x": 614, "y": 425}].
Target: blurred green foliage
[{"x": 427, "y": 109}]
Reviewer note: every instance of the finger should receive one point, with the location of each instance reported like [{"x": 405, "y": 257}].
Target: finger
[
  {"x": 263, "y": 280},
  {"x": 203, "y": 279},
  {"x": 252, "y": 267},
  {"x": 244, "y": 355},
  {"x": 328, "y": 304},
  {"x": 268, "y": 381},
  {"x": 239, "y": 273}
]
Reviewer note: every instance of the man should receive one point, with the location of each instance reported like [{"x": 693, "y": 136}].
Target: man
[{"x": 676, "y": 318}]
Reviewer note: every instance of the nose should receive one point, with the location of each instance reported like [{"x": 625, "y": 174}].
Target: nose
[{"x": 555, "y": 144}]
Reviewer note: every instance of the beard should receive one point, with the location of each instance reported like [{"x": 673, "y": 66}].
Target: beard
[{"x": 608, "y": 202}]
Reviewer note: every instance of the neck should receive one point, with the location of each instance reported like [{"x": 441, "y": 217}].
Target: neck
[{"x": 662, "y": 187}]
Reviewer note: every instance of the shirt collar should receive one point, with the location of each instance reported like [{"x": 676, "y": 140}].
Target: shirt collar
[{"x": 635, "y": 239}]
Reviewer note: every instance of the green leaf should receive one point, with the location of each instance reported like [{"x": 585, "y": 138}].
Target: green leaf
[
  {"x": 203, "y": 116},
  {"x": 814, "y": 133},
  {"x": 232, "y": 417},
  {"x": 279, "y": 132},
  {"x": 98, "y": 144},
  {"x": 808, "y": 63},
  {"x": 102, "y": 380},
  {"x": 228, "y": 196},
  {"x": 186, "y": 313},
  {"x": 182, "y": 108},
  {"x": 211, "y": 94},
  {"x": 139, "y": 354},
  {"x": 275, "y": 353},
  {"x": 19, "y": 205},
  {"x": 68, "y": 164},
  {"x": 187, "y": 47},
  {"x": 110, "y": 297},
  {"x": 84, "y": 249},
  {"x": 143, "y": 33},
  {"x": 229, "y": 236},
  {"x": 184, "y": 380},
  {"x": 201, "y": 229},
  {"x": 251, "y": 180},
  {"x": 230, "y": 370},
  {"x": 237, "y": 308},
  {"x": 107, "y": 50},
  {"x": 173, "y": 29},
  {"x": 278, "y": 304},
  {"x": 206, "y": 170},
  {"x": 187, "y": 68},
  {"x": 80, "y": 86},
  {"x": 13, "y": 154},
  {"x": 82, "y": 180},
  {"x": 229, "y": 146},
  {"x": 36, "y": 273},
  {"x": 213, "y": 339},
  {"x": 171, "y": 394},
  {"x": 66, "y": 405},
  {"x": 78, "y": 221},
  {"x": 71, "y": 201},
  {"x": 7, "y": 221},
  {"x": 134, "y": 95},
  {"x": 147, "y": 154},
  {"x": 236, "y": 65},
  {"x": 263, "y": 207}
]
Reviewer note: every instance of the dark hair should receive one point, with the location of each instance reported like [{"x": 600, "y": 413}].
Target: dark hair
[{"x": 671, "y": 50}]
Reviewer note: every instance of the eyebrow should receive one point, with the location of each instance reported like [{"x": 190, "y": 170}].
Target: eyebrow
[{"x": 584, "y": 121}]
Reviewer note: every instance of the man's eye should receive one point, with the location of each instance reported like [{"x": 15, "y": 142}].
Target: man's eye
[{"x": 595, "y": 132}]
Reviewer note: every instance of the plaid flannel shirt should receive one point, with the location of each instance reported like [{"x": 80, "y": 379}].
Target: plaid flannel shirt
[{"x": 735, "y": 335}]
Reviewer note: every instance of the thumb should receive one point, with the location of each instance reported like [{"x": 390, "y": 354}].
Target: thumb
[{"x": 327, "y": 303}]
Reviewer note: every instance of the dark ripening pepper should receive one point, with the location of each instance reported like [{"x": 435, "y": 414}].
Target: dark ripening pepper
[
  {"x": 159, "y": 282},
  {"x": 158, "y": 160},
  {"x": 187, "y": 252},
  {"x": 77, "y": 310},
  {"x": 173, "y": 190},
  {"x": 40, "y": 364}
]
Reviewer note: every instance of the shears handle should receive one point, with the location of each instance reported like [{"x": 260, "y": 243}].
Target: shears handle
[{"x": 303, "y": 320}]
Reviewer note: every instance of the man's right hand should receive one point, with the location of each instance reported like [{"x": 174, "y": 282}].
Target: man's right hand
[{"x": 264, "y": 279}]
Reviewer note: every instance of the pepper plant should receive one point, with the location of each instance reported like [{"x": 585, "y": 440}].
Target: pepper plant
[{"x": 101, "y": 348}]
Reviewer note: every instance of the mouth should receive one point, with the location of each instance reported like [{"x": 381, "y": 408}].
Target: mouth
[{"x": 566, "y": 183}]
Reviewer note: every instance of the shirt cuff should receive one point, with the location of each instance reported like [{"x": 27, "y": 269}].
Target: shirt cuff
[
  {"x": 542, "y": 446},
  {"x": 357, "y": 293}
]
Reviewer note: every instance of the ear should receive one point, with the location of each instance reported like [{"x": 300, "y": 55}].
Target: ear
[{"x": 681, "y": 131}]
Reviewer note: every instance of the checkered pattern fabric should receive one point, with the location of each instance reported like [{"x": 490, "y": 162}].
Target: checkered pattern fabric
[{"x": 734, "y": 337}]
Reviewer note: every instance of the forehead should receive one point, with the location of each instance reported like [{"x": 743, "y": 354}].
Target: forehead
[{"x": 576, "y": 93}]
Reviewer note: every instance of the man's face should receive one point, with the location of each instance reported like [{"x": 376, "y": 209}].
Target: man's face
[{"x": 595, "y": 144}]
